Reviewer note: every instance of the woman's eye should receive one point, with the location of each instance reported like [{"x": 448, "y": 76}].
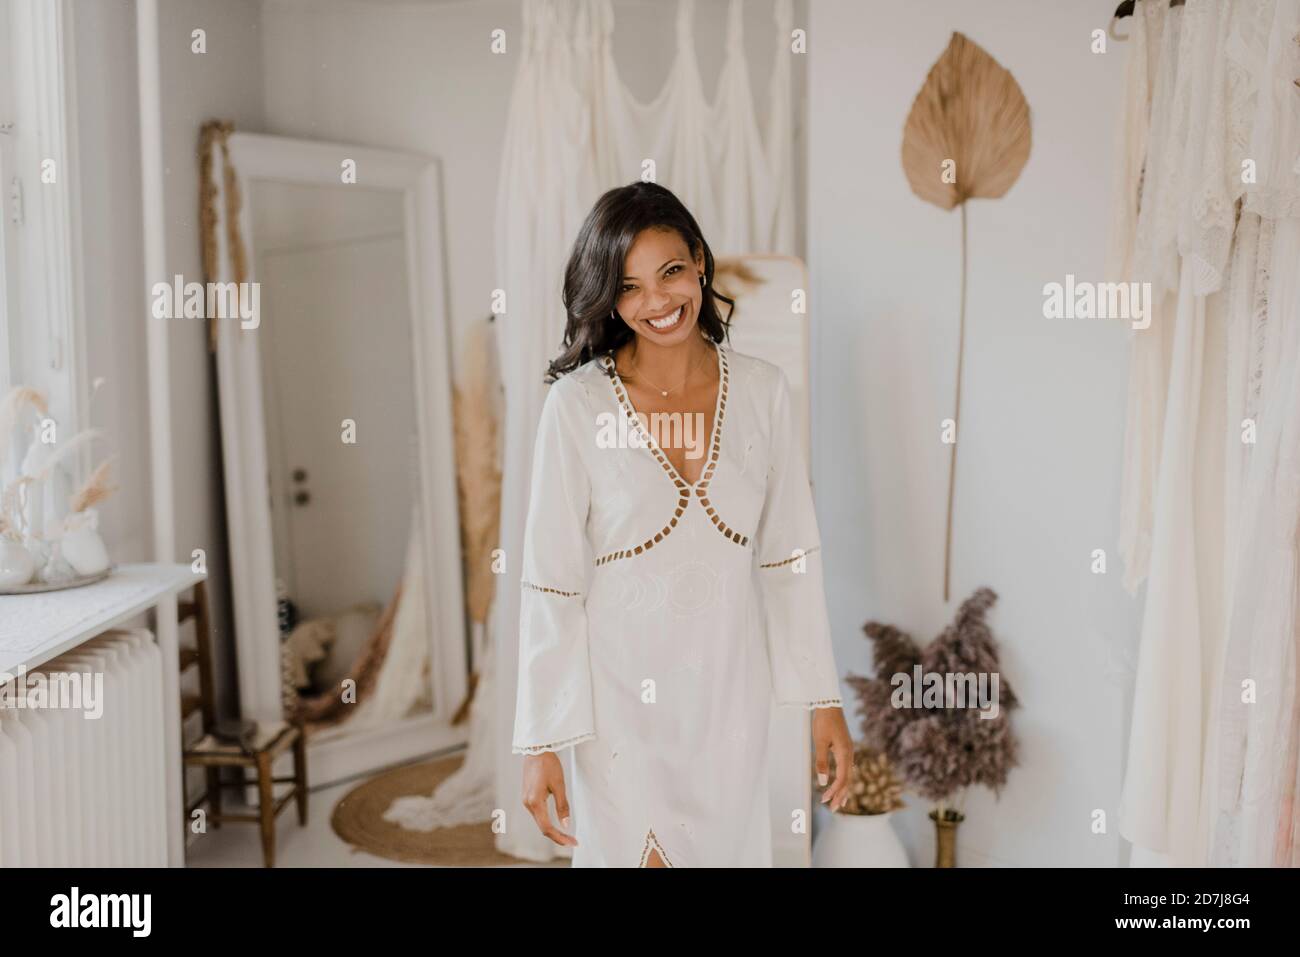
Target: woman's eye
[
  {"x": 672, "y": 270},
  {"x": 626, "y": 289}
]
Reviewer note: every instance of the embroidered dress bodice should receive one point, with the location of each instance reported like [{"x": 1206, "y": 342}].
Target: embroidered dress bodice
[{"x": 660, "y": 618}]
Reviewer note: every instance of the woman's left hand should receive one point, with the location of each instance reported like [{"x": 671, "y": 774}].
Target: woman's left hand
[{"x": 831, "y": 736}]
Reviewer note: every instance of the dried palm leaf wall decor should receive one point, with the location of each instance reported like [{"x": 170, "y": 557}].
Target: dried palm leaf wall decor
[{"x": 966, "y": 137}]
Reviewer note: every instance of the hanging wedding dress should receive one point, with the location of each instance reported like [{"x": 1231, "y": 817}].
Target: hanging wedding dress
[
  {"x": 1258, "y": 732},
  {"x": 1160, "y": 798},
  {"x": 573, "y": 131},
  {"x": 1148, "y": 74},
  {"x": 1208, "y": 520}
]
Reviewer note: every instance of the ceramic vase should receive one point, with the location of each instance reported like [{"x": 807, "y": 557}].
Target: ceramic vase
[
  {"x": 859, "y": 840},
  {"x": 16, "y": 564}
]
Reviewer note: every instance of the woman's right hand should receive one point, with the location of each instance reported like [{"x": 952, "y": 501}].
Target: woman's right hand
[{"x": 544, "y": 775}]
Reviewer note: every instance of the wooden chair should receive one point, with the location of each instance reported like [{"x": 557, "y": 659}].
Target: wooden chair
[{"x": 211, "y": 754}]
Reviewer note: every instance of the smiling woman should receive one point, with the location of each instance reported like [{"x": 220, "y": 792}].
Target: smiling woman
[
  {"x": 666, "y": 598},
  {"x": 641, "y": 258}
]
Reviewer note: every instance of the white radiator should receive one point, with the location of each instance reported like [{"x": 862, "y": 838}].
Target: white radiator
[{"x": 88, "y": 792}]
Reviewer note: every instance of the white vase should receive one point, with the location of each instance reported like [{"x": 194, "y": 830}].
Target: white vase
[
  {"x": 84, "y": 550},
  {"x": 859, "y": 840},
  {"x": 16, "y": 565}
]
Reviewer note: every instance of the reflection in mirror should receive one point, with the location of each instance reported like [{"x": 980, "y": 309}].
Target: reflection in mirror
[{"x": 342, "y": 444}]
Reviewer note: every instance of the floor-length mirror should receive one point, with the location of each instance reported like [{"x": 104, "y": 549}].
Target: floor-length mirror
[{"x": 335, "y": 414}]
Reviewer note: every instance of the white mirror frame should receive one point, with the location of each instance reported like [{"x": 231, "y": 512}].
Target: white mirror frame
[{"x": 243, "y": 435}]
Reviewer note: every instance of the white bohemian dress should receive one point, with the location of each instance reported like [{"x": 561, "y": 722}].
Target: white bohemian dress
[{"x": 659, "y": 619}]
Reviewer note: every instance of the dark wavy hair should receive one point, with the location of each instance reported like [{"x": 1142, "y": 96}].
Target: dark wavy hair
[{"x": 594, "y": 275}]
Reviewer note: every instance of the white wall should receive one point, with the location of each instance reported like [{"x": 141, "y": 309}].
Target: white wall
[
  {"x": 108, "y": 132},
  {"x": 224, "y": 82},
  {"x": 1039, "y": 467}
]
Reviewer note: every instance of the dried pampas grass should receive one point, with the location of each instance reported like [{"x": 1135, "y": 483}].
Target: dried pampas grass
[
  {"x": 19, "y": 398},
  {"x": 37, "y": 467},
  {"x": 95, "y": 489},
  {"x": 733, "y": 277},
  {"x": 12, "y": 523},
  {"x": 940, "y": 749},
  {"x": 478, "y": 477}
]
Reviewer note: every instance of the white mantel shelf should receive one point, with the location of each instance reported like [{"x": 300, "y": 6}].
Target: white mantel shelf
[{"x": 37, "y": 628}]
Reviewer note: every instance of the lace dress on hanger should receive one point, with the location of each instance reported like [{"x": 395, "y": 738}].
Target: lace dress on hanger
[
  {"x": 1149, "y": 83},
  {"x": 1258, "y": 823},
  {"x": 1184, "y": 236},
  {"x": 659, "y": 619}
]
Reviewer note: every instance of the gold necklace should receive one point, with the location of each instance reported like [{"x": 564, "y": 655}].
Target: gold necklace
[{"x": 664, "y": 392}]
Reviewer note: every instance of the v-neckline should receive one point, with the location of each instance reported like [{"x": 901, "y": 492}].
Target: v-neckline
[{"x": 701, "y": 484}]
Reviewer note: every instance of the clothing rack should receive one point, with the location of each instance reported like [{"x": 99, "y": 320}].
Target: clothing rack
[{"x": 1127, "y": 9}]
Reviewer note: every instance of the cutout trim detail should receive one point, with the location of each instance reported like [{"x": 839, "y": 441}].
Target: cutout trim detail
[
  {"x": 652, "y": 841},
  {"x": 554, "y": 746},
  {"x": 550, "y": 591},
  {"x": 792, "y": 558}
]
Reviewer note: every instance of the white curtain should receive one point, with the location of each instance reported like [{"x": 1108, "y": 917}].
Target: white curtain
[
  {"x": 1207, "y": 211},
  {"x": 574, "y": 131}
]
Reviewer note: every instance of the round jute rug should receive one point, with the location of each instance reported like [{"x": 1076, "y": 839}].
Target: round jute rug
[{"x": 358, "y": 819}]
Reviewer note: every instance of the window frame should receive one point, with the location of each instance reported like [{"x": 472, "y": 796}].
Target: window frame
[{"x": 44, "y": 315}]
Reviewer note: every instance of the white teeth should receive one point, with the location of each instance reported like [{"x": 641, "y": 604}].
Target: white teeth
[{"x": 667, "y": 321}]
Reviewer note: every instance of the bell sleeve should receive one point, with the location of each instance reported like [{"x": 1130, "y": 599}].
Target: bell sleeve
[
  {"x": 553, "y": 707},
  {"x": 788, "y": 554}
]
